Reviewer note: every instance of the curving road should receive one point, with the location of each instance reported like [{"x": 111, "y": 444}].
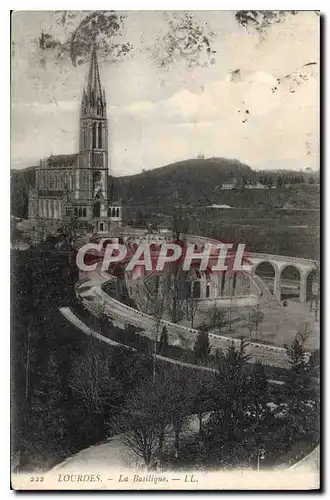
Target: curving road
[{"x": 94, "y": 297}]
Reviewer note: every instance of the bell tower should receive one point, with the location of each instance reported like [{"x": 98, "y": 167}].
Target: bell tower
[{"x": 92, "y": 173}]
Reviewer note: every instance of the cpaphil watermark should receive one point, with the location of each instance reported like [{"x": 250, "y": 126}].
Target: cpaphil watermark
[{"x": 223, "y": 257}]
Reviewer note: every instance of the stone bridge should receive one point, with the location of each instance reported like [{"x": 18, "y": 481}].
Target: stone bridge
[{"x": 307, "y": 270}]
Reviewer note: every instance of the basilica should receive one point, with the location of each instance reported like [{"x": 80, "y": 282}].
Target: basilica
[{"x": 76, "y": 185}]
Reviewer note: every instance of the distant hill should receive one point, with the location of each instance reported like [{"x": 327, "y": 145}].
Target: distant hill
[{"x": 192, "y": 182}]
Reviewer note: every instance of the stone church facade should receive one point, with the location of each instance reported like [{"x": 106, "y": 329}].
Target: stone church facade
[{"x": 76, "y": 185}]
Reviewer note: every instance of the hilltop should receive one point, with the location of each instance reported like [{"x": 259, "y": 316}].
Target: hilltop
[{"x": 192, "y": 182}]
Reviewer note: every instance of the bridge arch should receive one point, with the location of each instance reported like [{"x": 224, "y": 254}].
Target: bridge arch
[
  {"x": 269, "y": 272},
  {"x": 312, "y": 285},
  {"x": 290, "y": 281}
]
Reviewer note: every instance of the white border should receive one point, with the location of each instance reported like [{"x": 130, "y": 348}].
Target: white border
[{"x": 323, "y": 6}]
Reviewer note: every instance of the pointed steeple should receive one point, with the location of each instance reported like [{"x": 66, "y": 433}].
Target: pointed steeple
[
  {"x": 94, "y": 82},
  {"x": 93, "y": 99}
]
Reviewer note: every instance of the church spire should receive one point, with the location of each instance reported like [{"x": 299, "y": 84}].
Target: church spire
[
  {"x": 94, "y": 82},
  {"x": 93, "y": 99}
]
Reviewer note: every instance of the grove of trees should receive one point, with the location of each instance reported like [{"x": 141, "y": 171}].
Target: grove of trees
[
  {"x": 69, "y": 391},
  {"x": 238, "y": 413}
]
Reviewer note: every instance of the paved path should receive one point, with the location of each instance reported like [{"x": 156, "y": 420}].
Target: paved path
[
  {"x": 309, "y": 463},
  {"x": 94, "y": 298},
  {"x": 114, "y": 454},
  {"x": 72, "y": 318}
]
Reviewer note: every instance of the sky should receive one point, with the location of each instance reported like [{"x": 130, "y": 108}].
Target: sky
[{"x": 162, "y": 115}]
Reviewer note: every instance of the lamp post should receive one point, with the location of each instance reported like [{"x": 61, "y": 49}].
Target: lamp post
[{"x": 261, "y": 455}]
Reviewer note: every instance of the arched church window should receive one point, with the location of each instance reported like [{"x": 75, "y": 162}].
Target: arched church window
[
  {"x": 84, "y": 139},
  {"x": 223, "y": 280},
  {"x": 94, "y": 135},
  {"x": 96, "y": 209},
  {"x": 113, "y": 212},
  {"x": 196, "y": 289},
  {"x": 84, "y": 212},
  {"x": 100, "y": 135},
  {"x": 51, "y": 183},
  {"x": 117, "y": 212}
]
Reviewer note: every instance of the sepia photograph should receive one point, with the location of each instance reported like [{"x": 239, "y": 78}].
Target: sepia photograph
[{"x": 165, "y": 250}]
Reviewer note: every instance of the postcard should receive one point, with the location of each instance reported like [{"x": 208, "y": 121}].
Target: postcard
[{"x": 165, "y": 250}]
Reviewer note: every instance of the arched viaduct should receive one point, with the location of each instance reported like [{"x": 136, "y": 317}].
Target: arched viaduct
[
  {"x": 306, "y": 270},
  {"x": 210, "y": 286}
]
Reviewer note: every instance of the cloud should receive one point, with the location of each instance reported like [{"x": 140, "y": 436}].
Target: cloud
[
  {"x": 157, "y": 116},
  {"x": 52, "y": 106},
  {"x": 259, "y": 93}
]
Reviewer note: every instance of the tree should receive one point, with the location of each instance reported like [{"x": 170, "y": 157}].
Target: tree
[
  {"x": 202, "y": 384},
  {"x": 250, "y": 324},
  {"x": 176, "y": 302},
  {"x": 314, "y": 363},
  {"x": 99, "y": 318},
  {"x": 261, "y": 20},
  {"x": 148, "y": 412},
  {"x": 302, "y": 416},
  {"x": 230, "y": 311},
  {"x": 80, "y": 31},
  {"x": 259, "y": 389},
  {"x": 202, "y": 346},
  {"x": 187, "y": 40},
  {"x": 158, "y": 307},
  {"x": 192, "y": 304},
  {"x": 42, "y": 430},
  {"x": 173, "y": 393},
  {"x": 70, "y": 225},
  {"x": 40, "y": 230},
  {"x": 255, "y": 318},
  {"x": 93, "y": 384},
  {"x": 296, "y": 354},
  {"x": 279, "y": 181},
  {"x": 138, "y": 423},
  {"x": 181, "y": 403},
  {"x": 164, "y": 406},
  {"x": 232, "y": 395},
  {"x": 14, "y": 232},
  {"x": 163, "y": 341},
  {"x": 217, "y": 317}
]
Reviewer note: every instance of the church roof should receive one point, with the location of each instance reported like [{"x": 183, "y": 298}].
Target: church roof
[{"x": 62, "y": 160}]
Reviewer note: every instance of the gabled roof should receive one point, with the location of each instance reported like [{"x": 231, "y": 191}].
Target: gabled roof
[{"x": 62, "y": 160}]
